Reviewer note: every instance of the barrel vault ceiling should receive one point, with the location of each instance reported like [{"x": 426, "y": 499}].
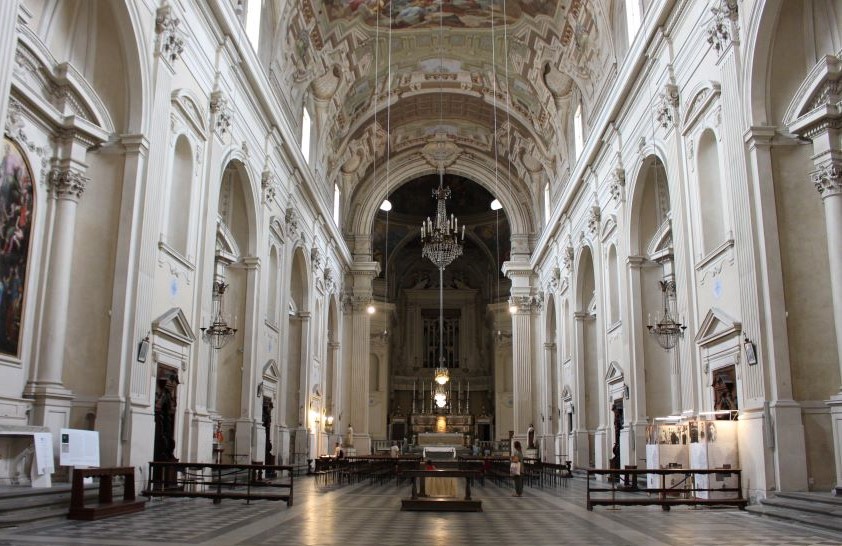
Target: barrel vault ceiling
[{"x": 460, "y": 82}]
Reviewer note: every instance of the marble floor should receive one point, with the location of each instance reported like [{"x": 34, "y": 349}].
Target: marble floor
[{"x": 370, "y": 515}]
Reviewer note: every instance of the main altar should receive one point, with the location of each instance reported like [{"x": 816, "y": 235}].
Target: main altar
[
  {"x": 429, "y": 439},
  {"x": 432, "y": 429}
]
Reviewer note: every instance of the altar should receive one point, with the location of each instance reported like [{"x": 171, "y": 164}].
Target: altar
[
  {"x": 441, "y": 439},
  {"x": 438, "y": 450}
]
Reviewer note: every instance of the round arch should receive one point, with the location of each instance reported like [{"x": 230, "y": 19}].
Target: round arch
[
  {"x": 636, "y": 189},
  {"x": 369, "y": 195},
  {"x": 234, "y": 158}
]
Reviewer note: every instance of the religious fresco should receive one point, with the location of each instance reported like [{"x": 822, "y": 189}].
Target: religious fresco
[
  {"x": 416, "y": 14},
  {"x": 16, "y": 221}
]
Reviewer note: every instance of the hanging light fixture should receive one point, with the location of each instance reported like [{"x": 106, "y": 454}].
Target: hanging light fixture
[
  {"x": 440, "y": 239},
  {"x": 666, "y": 329},
  {"x": 219, "y": 333}
]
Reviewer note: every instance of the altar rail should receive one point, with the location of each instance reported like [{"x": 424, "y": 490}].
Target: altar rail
[
  {"x": 219, "y": 481},
  {"x": 617, "y": 493},
  {"x": 331, "y": 471}
]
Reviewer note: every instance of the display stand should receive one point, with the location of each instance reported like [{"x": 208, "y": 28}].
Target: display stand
[
  {"x": 667, "y": 446},
  {"x": 714, "y": 445}
]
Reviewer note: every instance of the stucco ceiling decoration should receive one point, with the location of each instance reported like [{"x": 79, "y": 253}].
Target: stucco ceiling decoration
[
  {"x": 425, "y": 84},
  {"x": 440, "y": 152}
]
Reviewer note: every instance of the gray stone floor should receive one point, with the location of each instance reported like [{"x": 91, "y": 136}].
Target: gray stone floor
[{"x": 370, "y": 515}]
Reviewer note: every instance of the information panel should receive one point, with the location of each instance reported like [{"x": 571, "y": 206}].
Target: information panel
[{"x": 79, "y": 447}]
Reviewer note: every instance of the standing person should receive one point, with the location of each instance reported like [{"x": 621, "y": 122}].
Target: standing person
[{"x": 517, "y": 469}]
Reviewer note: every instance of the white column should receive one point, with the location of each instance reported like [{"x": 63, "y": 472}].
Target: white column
[
  {"x": 8, "y": 44},
  {"x": 140, "y": 260},
  {"x": 52, "y": 400},
  {"x": 111, "y": 406},
  {"x": 67, "y": 186},
  {"x": 522, "y": 364},
  {"x": 580, "y": 450},
  {"x": 828, "y": 180},
  {"x": 363, "y": 274}
]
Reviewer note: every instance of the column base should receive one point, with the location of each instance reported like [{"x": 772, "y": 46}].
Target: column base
[
  {"x": 602, "y": 448},
  {"x": 51, "y": 406},
  {"x": 244, "y": 440},
  {"x": 835, "y": 404},
  {"x": 140, "y": 438},
  {"x": 362, "y": 444},
  {"x": 580, "y": 449},
  {"x": 202, "y": 446},
  {"x": 790, "y": 449},
  {"x": 110, "y": 413}
]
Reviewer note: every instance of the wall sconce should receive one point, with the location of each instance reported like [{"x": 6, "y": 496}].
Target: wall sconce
[
  {"x": 260, "y": 390},
  {"x": 143, "y": 349},
  {"x": 329, "y": 424},
  {"x": 751, "y": 352},
  {"x": 572, "y": 408},
  {"x": 626, "y": 391}
]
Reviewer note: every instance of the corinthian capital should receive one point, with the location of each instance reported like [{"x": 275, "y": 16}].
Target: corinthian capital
[
  {"x": 527, "y": 304},
  {"x": 67, "y": 183},
  {"x": 828, "y": 178},
  {"x": 171, "y": 43}
]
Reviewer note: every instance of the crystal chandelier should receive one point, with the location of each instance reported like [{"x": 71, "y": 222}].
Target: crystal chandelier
[
  {"x": 442, "y": 244},
  {"x": 666, "y": 329},
  {"x": 219, "y": 333}
]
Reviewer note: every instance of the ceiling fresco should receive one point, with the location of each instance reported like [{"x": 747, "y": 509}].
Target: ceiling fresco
[
  {"x": 419, "y": 14},
  {"x": 480, "y": 99}
]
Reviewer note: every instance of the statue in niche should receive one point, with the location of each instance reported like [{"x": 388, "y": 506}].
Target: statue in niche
[
  {"x": 458, "y": 282},
  {"x": 530, "y": 437},
  {"x": 421, "y": 281},
  {"x": 268, "y": 406},
  {"x": 165, "y": 405}
]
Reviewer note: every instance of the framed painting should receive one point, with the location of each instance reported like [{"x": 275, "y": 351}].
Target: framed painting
[{"x": 16, "y": 203}]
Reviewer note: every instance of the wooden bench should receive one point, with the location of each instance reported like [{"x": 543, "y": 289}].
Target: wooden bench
[{"x": 106, "y": 505}]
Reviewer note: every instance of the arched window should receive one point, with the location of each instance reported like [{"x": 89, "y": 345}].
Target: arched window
[
  {"x": 547, "y": 208},
  {"x": 336, "y": 196},
  {"x": 633, "y": 18},
  {"x": 272, "y": 291},
  {"x": 305, "y": 134},
  {"x": 565, "y": 331},
  {"x": 578, "y": 131},
  {"x": 178, "y": 213},
  {"x": 253, "y": 22},
  {"x": 711, "y": 208},
  {"x": 613, "y": 287}
]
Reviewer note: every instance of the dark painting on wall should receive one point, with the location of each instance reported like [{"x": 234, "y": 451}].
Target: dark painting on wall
[{"x": 15, "y": 224}]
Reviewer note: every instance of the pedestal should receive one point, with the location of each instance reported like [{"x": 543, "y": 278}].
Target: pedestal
[{"x": 835, "y": 404}]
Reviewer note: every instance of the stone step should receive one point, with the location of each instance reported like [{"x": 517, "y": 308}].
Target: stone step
[
  {"x": 19, "y": 506},
  {"x": 828, "y": 509},
  {"x": 813, "y": 497},
  {"x": 807, "y": 518}
]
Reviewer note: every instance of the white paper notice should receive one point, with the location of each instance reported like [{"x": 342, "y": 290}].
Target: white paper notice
[{"x": 44, "y": 453}]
